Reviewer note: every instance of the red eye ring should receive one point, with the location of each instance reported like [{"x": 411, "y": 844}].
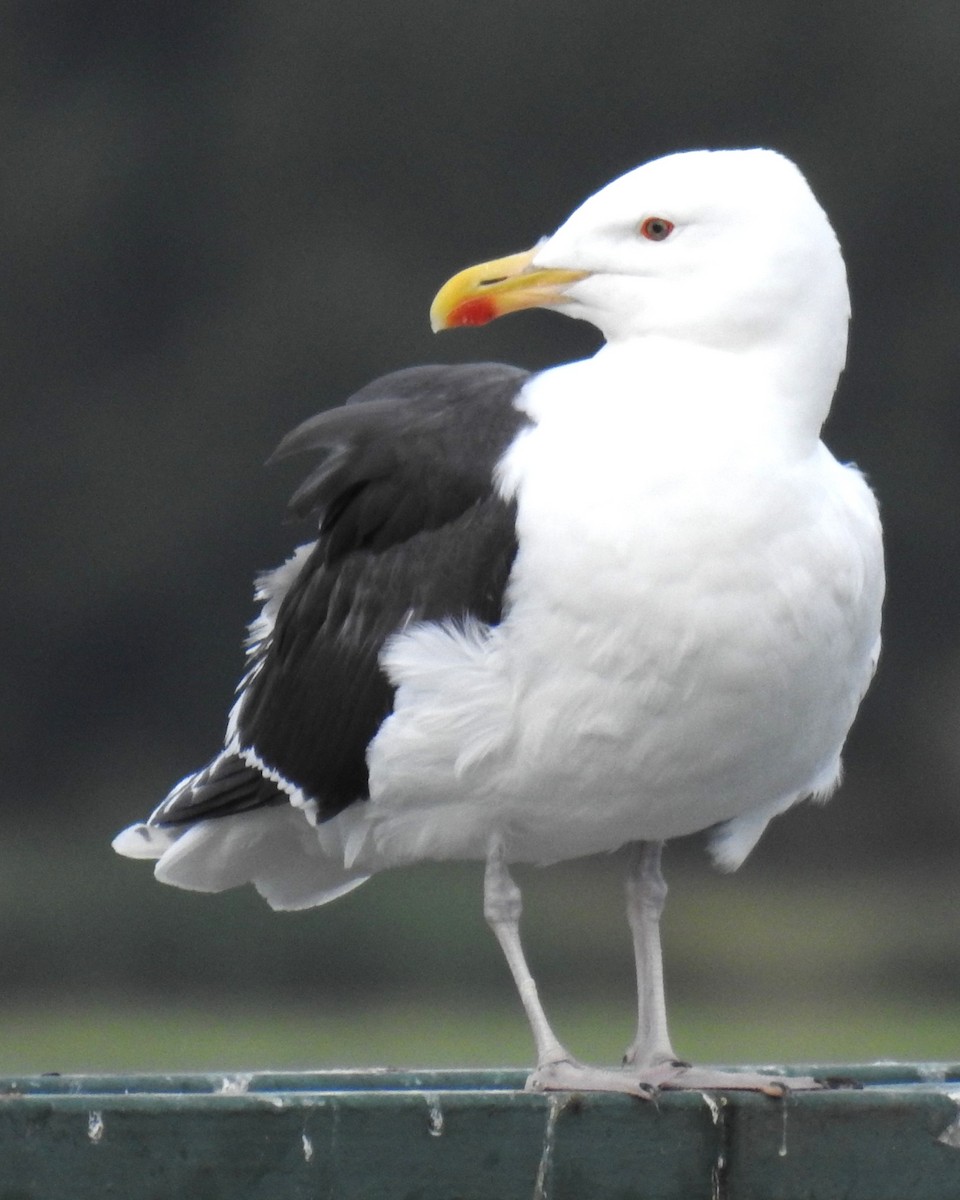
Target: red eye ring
[{"x": 655, "y": 229}]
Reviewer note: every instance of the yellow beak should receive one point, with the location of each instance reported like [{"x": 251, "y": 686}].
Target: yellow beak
[{"x": 492, "y": 289}]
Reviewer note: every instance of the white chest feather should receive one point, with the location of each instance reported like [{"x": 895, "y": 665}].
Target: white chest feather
[{"x": 691, "y": 622}]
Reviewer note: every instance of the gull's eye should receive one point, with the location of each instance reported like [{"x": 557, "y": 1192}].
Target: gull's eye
[{"x": 655, "y": 229}]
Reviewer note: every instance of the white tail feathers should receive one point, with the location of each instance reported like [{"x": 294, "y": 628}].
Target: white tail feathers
[{"x": 276, "y": 849}]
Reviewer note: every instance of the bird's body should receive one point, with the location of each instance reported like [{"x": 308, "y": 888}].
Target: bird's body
[
  {"x": 619, "y": 601},
  {"x": 671, "y": 656}
]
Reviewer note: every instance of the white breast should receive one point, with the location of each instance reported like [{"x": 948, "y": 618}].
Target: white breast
[{"x": 692, "y": 621}]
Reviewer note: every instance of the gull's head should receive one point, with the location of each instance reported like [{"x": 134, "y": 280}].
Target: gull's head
[{"x": 721, "y": 248}]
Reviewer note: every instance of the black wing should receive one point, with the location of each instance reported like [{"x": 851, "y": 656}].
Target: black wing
[{"x": 411, "y": 528}]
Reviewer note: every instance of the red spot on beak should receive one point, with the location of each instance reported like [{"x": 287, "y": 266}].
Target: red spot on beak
[{"x": 478, "y": 310}]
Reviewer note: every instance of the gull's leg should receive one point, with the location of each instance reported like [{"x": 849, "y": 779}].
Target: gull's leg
[
  {"x": 650, "y": 1060},
  {"x": 556, "y": 1069},
  {"x": 646, "y": 894},
  {"x": 502, "y": 905}
]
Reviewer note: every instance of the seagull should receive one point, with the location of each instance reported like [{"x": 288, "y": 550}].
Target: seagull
[{"x": 550, "y": 615}]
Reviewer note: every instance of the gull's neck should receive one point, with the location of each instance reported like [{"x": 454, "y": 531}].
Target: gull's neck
[{"x": 788, "y": 384}]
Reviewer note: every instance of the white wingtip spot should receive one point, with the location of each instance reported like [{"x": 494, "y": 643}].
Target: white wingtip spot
[{"x": 144, "y": 841}]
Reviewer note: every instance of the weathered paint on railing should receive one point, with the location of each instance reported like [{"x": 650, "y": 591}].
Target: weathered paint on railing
[{"x": 474, "y": 1135}]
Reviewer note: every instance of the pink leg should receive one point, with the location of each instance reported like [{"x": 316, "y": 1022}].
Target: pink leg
[
  {"x": 650, "y": 1063},
  {"x": 502, "y": 905},
  {"x": 646, "y": 894}
]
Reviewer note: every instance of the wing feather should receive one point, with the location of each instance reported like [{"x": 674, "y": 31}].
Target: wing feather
[{"x": 411, "y": 528}]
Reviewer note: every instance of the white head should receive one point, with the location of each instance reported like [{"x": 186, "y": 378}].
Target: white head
[{"x": 726, "y": 249}]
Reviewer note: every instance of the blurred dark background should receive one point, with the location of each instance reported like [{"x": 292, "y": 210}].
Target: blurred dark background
[{"x": 217, "y": 217}]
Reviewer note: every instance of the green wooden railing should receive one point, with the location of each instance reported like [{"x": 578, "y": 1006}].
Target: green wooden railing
[{"x": 474, "y": 1135}]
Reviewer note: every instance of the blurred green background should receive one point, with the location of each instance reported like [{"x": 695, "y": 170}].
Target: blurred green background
[{"x": 219, "y": 216}]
